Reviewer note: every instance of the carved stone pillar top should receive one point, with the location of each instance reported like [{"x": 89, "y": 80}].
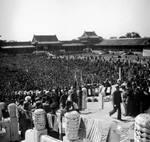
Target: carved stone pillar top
[{"x": 39, "y": 119}]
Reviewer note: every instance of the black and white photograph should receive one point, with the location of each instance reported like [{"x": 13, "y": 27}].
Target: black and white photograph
[{"x": 74, "y": 70}]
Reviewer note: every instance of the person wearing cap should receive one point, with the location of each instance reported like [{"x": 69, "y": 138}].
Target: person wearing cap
[
  {"x": 28, "y": 100},
  {"x": 116, "y": 101}
]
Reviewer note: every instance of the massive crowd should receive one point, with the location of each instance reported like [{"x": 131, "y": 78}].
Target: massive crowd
[
  {"x": 56, "y": 100},
  {"x": 31, "y": 72},
  {"x": 26, "y": 72}
]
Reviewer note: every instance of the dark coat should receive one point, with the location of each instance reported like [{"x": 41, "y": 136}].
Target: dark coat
[{"x": 116, "y": 97}]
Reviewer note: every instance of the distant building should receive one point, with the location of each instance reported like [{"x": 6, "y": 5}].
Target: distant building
[
  {"x": 123, "y": 44},
  {"x": 88, "y": 41},
  {"x": 46, "y": 42},
  {"x": 15, "y": 47},
  {"x": 146, "y": 49},
  {"x": 73, "y": 45},
  {"x": 90, "y": 37}
]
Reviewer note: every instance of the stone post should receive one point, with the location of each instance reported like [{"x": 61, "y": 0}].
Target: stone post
[
  {"x": 72, "y": 121},
  {"x": 14, "y": 125},
  {"x": 142, "y": 128},
  {"x": 2, "y": 104},
  {"x": 39, "y": 120}
]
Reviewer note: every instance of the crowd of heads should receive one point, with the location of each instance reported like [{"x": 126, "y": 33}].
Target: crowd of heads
[
  {"x": 38, "y": 79},
  {"x": 28, "y": 72},
  {"x": 27, "y": 102}
]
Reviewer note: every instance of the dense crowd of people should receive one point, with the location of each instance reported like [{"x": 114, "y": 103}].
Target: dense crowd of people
[
  {"x": 31, "y": 72},
  {"x": 56, "y": 100},
  {"x": 28, "y": 72}
]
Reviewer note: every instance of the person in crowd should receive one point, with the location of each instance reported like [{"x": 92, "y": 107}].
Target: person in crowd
[
  {"x": 46, "y": 105},
  {"x": 28, "y": 101},
  {"x": 63, "y": 99},
  {"x": 20, "y": 105},
  {"x": 107, "y": 86},
  {"x": 70, "y": 106},
  {"x": 84, "y": 98},
  {"x": 73, "y": 95},
  {"x": 124, "y": 98},
  {"x": 80, "y": 97},
  {"x": 5, "y": 112},
  {"x": 38, "y": 105},
  {"x": 130, "y": 99},
  {"x": 25, "y": 119},
  {"x": 137, "y": 93}
]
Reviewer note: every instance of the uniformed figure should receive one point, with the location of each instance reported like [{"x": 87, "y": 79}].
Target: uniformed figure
[
  {"x": 116, "y": 100},
  {"x": 80, "y": 93}
]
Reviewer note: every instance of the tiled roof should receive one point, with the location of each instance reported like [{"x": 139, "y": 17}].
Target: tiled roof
[
  {"x": 45, "y": 38},
  {"x": 87, "y": 36},
  {"x": 90, "y": 33},
  {"x": 124, "y": 42},
  {"x": 72, "y": 43},
  {"x": 17, "y": 43}
]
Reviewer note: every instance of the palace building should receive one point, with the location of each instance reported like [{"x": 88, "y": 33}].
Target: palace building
[
  {"x": 46, "y": 42},
  {"x": 89, "y": 40}
]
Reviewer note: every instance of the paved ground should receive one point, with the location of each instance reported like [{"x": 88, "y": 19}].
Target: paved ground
[{"x": 93, "y": 111}]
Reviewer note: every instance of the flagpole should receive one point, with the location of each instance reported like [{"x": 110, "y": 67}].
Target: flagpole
[{"x": 119, "y": 73}]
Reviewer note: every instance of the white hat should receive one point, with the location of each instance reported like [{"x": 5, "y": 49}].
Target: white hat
[{"x": 27, "y": 98}]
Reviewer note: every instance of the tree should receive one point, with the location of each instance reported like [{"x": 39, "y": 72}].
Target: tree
[{"x": 131, "y": 35}]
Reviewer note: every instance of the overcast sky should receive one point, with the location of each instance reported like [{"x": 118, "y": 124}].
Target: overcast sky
[{"x": 68, "y": 19}]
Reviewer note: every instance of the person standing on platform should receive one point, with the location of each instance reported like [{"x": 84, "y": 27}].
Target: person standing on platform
[
  {"x": 84, "y": 98},
  {"x": 124, "y": 98},
  {"x": 73, "y": 95},
  {"x": 25, "y": 119},
  {"x": 116, "y": 100},
  {"x": 107, "y": 85},
  {"x": 101, "y": 96},
  {"x": 80, "y": 93},
  {"x": 130, "y": 98}
]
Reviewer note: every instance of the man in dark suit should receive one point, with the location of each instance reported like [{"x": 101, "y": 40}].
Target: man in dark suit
[{"x": 116, "y": 100}]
